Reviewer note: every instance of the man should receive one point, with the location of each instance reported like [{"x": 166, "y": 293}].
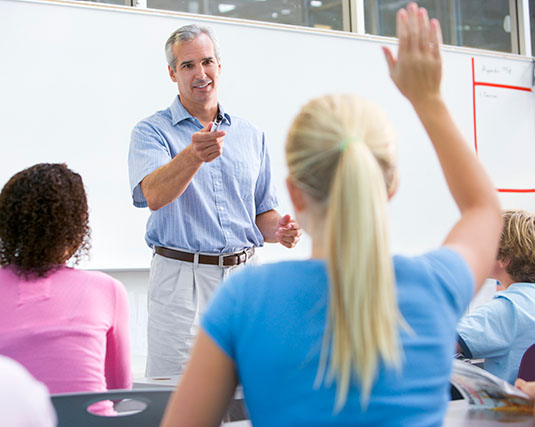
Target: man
[{"x": 210, "y": 206}]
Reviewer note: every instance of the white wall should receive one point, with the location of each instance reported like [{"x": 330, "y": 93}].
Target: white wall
[
  {"x": 136, "y": 286},
  {"x": 75, "y": 78}
]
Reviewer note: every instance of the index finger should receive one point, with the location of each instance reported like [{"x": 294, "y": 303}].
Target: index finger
[
  {"x": 209, "y": 136},
  {"x": 402, "y": 29}
]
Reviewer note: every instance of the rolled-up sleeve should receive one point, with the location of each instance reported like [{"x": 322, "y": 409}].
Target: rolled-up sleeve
[
  {"x": 148, "y": 152},
  {"x": 265, "y": 196}
]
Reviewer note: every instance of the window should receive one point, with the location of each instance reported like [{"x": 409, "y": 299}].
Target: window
[
  {"x": 532, "y": 22},
  {"x": 121, "y": 2},
  {"x": 484, "y": 24},
  {"x": 308, "y": 13},
  {"x": 499, "y": 25}
]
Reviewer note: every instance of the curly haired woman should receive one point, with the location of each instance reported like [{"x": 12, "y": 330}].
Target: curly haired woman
[{"x": 68, "y": 327}]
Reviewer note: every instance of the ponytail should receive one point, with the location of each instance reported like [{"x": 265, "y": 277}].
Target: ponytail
[
  {"x": 340, "y": 151},
  {"x": 363, "y": 314}
]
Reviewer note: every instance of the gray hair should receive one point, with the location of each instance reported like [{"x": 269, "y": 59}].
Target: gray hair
[{"x": 188, "y": 33}]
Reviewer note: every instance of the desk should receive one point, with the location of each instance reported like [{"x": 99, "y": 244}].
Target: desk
[
  {"x": 171, "y": 381},
  {"x": 150, "y": 382},
  {"x": 236, "y": 410},
  {"x": 459, "y": 415},
  {"x": 243, "y": 423}
]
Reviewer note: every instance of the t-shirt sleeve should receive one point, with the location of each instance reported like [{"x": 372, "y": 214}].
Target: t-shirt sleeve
[
  {"x": 490, "y": 329},
  {"x": 117, "y": 365},
  {"x": 148, "y": 151},
  {"x": 265, "y": 197},
  {"x": 454, "y": 276},
  {"x": 222, "y": 317}
]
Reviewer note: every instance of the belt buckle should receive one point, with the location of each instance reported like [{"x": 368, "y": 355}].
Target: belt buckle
[{"x": 242, "y": 257}]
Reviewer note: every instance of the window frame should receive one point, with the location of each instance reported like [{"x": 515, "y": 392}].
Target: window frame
[{"x": 353, "y": 21}]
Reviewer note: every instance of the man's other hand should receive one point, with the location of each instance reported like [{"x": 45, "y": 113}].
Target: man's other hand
[{"x": 288, "y": 231}]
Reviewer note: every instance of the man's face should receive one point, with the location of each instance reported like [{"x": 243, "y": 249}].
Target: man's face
[{"x": 197, "y": 71}]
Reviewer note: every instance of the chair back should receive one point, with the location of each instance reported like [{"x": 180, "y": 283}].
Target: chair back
[
  {"x": 71, "y": 408},
  {"x": 527, "y": 365}
]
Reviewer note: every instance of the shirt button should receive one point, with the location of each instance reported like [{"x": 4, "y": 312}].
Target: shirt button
[
  {"x": 217, "y": 183},
  {"x": 227, "y": 233},
  {"x": 221, "y": 208}
]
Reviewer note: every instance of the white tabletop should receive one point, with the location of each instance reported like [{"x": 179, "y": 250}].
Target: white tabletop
[
  {"x": 459, "y": 414},
  {"x": 243, "y": 423},
  {"x": 171, "y": 381}
]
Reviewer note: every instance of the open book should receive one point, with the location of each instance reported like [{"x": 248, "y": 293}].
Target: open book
[{"x": 482, "y": 390}]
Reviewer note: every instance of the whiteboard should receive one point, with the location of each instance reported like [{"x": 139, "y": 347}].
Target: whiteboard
[{"x": 76, "y": 77}]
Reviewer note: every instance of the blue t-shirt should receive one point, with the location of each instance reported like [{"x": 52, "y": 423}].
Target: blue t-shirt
[
  {"x": 270, "y": 320},
  {"x": 502, "y": 330}
]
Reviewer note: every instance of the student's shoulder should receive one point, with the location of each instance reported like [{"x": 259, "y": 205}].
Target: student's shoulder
[
  {"x": 278, "y": 273},
  {"x": 433, "y": 262},
  {"x": 94, "y": 278},
  {"x": 439, "y": 272},
  {"x": 518, "y": 292},
  {"x": 270, "y": 284}
]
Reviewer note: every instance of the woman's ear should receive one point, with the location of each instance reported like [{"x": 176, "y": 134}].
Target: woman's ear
[
  {"x": 394, "y": 187},
  {"x": 296, "y": 195}
]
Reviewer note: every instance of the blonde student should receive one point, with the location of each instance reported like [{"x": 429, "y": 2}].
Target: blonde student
[
  {"x": 504, "y": 328},
  {"x": 352, "y": 336}
]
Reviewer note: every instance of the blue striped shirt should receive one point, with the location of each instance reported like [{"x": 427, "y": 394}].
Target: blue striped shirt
[{"x": 217, "y": 211}]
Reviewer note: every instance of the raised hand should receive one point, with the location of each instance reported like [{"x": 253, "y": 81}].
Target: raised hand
[{"x": 417, "y": 71}]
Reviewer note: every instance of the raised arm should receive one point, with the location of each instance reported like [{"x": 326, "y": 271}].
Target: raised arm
[
  {"x": 417, "y": 72},
  {"x": 169, "y": 181}
]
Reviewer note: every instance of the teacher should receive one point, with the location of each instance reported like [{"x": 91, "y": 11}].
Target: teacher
[{"x": 210, "y": 205}]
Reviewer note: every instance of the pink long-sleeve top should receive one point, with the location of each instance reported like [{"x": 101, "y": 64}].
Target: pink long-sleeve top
[{"x": 70, "y": 329}]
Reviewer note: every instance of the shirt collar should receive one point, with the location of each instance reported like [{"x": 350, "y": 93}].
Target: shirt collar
[{"x": 179, "y": 113}]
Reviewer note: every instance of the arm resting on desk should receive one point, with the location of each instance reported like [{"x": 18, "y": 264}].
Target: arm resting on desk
[{"x": 463, "y": 348}]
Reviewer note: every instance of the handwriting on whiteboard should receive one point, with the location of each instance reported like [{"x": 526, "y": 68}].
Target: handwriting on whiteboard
[
  {"x": 496, "y": 70},
  {"x": 488, "y": 95},
  {"x": 503, "y": 138},
  {"x": 502, "y": 72}
]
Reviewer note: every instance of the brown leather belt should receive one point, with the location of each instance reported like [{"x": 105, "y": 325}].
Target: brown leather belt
[{"x": 221, "y": 260}]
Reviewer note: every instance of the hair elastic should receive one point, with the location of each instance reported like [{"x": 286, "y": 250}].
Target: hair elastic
[{"x": 346, "y": 142}]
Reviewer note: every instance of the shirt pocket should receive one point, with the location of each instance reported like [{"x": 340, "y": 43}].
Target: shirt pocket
[{"x": 245, "y": 175}]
